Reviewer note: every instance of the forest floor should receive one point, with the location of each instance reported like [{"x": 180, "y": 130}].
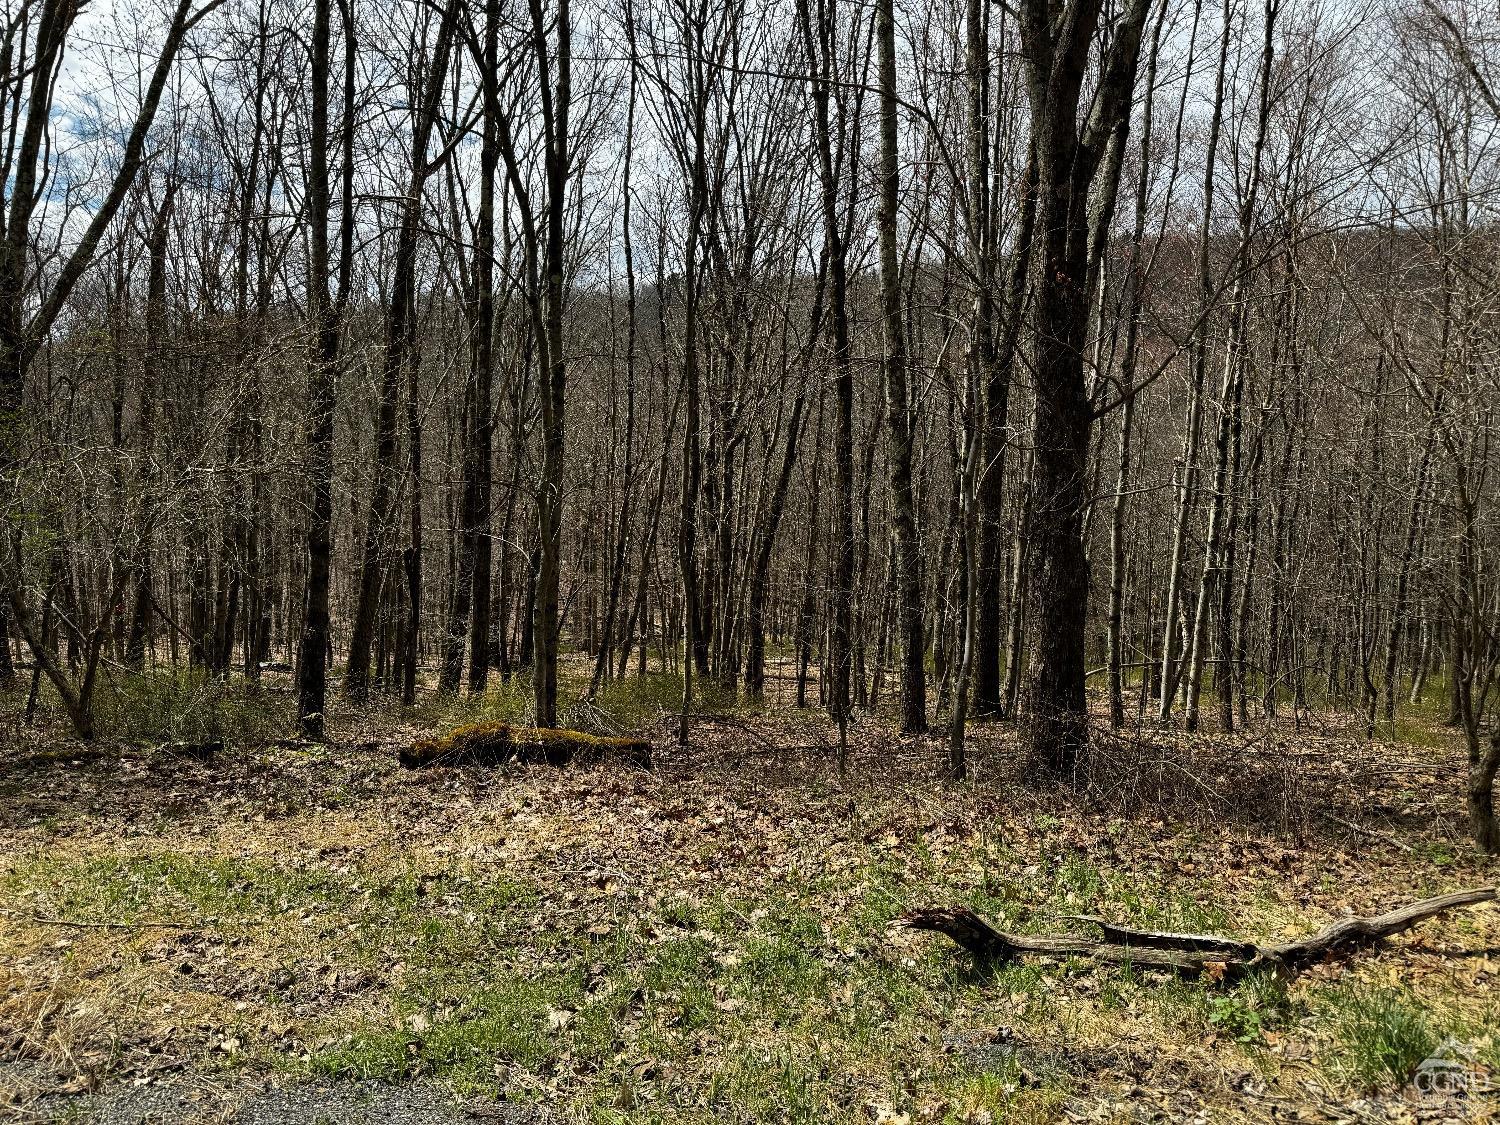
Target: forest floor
[{"x": 313, "y": 934}]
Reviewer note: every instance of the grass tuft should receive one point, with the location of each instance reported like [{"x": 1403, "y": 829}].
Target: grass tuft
[
  {"x": 1384, "y": 1033},
  {"x": 1256, "y": 1004}
]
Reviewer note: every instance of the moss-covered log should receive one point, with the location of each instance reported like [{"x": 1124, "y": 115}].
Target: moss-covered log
[{"x": 493, "y": 744}]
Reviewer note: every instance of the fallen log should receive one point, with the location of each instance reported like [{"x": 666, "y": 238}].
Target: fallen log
[
  {"x": 198, "y": 751},
  {"x": 1189, "y": 953},
  {"x": 493, "y": 744}
]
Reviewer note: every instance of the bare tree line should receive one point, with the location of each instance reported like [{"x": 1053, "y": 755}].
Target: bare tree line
[{"x": 961, "y": 357}]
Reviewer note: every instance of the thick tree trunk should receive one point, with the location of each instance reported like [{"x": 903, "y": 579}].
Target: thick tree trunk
[
  {"x": 897, "y": 394},
  {"x": 556, "y": 104},
  {"x": 411, "y": 557},
  {"x": 7, "y": 665},
  {"x": 1481, "y": 797},
  {"x": 695, "y": 647},
  {"x": 1055, "y": 718},
  {"x": 313, "y": 649},
  {"x": 993, "y": 377},
  {"x": 1054, "y": 729}
]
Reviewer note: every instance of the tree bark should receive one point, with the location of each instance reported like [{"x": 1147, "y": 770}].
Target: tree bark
[
  {"x": 1054, "y": 729},
  {"x": 313, "y": 650},
  {"x": 897, "y": 393}
]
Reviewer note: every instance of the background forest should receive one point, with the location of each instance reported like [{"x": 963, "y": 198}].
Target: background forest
[{"x": 778, "y": 336}]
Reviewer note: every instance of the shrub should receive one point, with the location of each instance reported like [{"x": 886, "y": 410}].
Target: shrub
[
  {"x": 1258, "y": 1003},
  {"x": 637, "y": 702},
  {"x": 508, "y": 701},
  {"x": 189, "y": 705}
]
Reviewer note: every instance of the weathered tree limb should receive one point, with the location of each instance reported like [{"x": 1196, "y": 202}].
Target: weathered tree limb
[
  {"x": 1191, "y": 953},
  {"x": 1356, "y": 931},
  {"x": 1187, "y": 943},
  {"x": 1364, "y": 831}
]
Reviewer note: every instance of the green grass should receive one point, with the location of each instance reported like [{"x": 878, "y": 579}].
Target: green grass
[
  {"x": 775, "y": 993},
  {"x": 643, "y": 1000},
  {"x": 462, "y": 1016},
  {"x": 503, "y": 701},
  {"x": 629, "y": 704},
  {"x": 168, "y": 886},
  {"x": 1384, "y": 1033},
  {"x": 456, "y": 1031},
  {"x": 635, "y": 703}
]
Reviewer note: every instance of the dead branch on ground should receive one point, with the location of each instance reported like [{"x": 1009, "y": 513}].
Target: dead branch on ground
[{"x": 1189, "y": 953}]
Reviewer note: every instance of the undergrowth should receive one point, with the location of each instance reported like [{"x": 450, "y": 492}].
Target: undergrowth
[{"x": 189, "y": 705}]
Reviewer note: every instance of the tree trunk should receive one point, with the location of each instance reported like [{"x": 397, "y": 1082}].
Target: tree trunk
[
  {"x": 1481, "y": 797},
  {"x": 897, "y": 394},
  {"x": 1187, "y": 467},
  {"x": 469, "y": 611},
  {"x": 313, "y": 649},
  {"x": 1055, "y": 726}
]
